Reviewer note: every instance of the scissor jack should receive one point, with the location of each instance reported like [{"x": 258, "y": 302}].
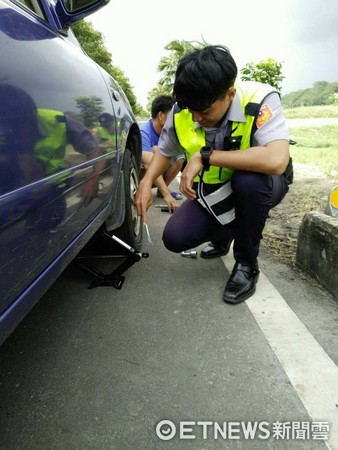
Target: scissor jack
[{"x": 115, "y": 278}]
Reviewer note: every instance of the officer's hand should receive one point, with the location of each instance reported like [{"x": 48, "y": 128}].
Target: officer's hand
[
  {"x": 192, "y": 169},
  {"x": 143, "y": 200}
]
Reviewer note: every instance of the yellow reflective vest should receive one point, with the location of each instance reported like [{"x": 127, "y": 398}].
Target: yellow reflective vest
[
  {"x": 50, "y": 149},
  {"x": 105, "y": 135},
  {"x": 251, "y": 95}
]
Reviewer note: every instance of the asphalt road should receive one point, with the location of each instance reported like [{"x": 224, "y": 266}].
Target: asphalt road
[{"x": 101, "y": 368}]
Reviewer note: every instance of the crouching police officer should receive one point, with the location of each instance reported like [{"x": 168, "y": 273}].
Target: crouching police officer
[{"x": 237, "y": 147}]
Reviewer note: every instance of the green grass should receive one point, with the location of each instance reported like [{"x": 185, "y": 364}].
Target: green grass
[
  {"x": 317, "y": 146},
  {"x": 308, "y": 112}
]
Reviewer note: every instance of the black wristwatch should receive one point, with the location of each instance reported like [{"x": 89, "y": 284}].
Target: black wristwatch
[{"x": 205, "y": 153}]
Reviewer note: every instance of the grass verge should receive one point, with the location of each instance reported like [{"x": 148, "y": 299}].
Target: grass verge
[
  {"x": 311, "y": 112},
  {"x": 316, "y": 146}
]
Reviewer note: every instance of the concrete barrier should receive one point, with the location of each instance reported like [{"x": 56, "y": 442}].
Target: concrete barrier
[{"x": 317, "y": 249}]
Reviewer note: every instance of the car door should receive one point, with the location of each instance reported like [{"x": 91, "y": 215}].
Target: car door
[{"x": 55, "y": 180}]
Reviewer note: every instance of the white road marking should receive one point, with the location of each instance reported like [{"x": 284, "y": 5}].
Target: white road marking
[{"x": 311, "y": 371}]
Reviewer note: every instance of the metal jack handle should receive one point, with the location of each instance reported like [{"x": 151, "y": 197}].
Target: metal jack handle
[{"x": 115, "y": 279}]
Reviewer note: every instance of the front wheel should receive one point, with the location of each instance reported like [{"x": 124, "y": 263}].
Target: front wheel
[{"x": 131, "y": 229}]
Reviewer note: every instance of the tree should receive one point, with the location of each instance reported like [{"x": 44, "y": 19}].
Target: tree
[
  {"x": 321, "y": 93},
  {"x": 92, "y": 42},
  {"x": 168, "y": 65},
  {"x": 91, "y": 108},
  {"x": 268, "y": 71}
]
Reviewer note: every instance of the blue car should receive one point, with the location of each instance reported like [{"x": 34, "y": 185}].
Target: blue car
[{"x": 70, "y": 152}]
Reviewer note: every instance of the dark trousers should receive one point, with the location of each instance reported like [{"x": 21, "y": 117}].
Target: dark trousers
[{"x": 254, "y": 195}]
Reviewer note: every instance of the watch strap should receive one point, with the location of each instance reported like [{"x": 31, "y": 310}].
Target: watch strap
[{"x": 205, "y": 154}]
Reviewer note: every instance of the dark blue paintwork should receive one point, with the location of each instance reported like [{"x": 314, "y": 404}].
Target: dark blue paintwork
[{"x": 47, "y": 214}]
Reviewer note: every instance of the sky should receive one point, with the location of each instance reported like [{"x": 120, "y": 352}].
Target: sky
[{"x": 300, "y": 34}]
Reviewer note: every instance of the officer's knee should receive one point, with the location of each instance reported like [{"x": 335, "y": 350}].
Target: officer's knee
[{"x": 171, "y": 242}]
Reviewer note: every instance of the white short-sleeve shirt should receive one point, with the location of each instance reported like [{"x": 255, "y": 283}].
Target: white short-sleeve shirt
[{"x": 272, "y": 130}]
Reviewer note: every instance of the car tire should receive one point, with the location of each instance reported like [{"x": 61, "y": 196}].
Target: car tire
[{"x": 131, "y": 229}]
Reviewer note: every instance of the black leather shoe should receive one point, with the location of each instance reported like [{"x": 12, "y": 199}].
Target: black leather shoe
[
  {"x": 213, "y": 250},
  {"x": 241, "y": 284}
]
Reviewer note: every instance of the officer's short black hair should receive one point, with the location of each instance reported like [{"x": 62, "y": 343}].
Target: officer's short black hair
[
  {"x": 203, "y": 76},
  {"x": 162, "y": 103}
]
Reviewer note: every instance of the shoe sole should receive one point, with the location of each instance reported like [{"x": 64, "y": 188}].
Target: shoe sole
[{"x": 241, "y": 299}]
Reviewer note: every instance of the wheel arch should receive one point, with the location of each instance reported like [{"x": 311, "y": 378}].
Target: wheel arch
[
  {"x": 134, "y": 144},
  {"x": 117, "y": 213}
]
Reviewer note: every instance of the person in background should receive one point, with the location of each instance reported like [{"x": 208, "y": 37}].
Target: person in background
[
  {"x": 238, "y": 166},
  {"x": 150, "y": 133}
]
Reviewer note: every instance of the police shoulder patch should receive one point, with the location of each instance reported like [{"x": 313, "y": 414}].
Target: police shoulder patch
[{"x": 264, "y": 115}]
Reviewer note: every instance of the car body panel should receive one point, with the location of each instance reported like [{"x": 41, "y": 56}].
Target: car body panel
[{"x": 57, "y": 185}]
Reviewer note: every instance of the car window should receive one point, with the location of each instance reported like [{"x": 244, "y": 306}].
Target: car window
[
  {"x": 27, "y": 3},
  {"x": 34, "y": 6}
]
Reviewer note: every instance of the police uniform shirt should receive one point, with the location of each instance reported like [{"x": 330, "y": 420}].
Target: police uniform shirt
[{"x": 273, "y": 129}]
